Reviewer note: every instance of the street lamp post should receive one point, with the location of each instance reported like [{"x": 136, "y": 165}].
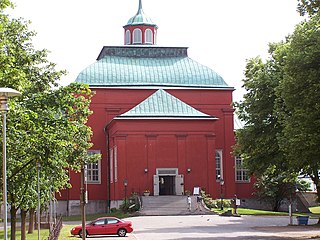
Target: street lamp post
[
  {"x": 125, "y": 183},
  {"x": 221, "y": 192},
  {"x": 39, "y": 201},
  {"x": 83, "y": 199},
  {"x": 5, "y": 93}
]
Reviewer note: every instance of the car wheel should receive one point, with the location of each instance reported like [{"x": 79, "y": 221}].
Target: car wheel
[
  {"x": 122, "y": 232},
  {"x": 80, "y": 234}
]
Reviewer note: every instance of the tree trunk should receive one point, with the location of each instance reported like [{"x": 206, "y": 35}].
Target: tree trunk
[
  {"x": 315, "y": 179},
  {"x": 277, "y": 205},
  {"x": 23, "y": 224},
  {"x": 13, "y": 213},
  {"x": 31, "y": 221},
  {"x": 318, "y": 193},
  {"x": 318, "y": 190}
]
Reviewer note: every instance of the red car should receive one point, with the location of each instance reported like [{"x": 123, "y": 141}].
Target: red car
[{"x": 105, "y": 226}]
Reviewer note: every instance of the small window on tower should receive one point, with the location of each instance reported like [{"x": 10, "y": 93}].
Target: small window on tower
[
  {"x": 148, "y": 36},
  {"x": 128, "y": 36},
  {"x": 137, "y": 36}
]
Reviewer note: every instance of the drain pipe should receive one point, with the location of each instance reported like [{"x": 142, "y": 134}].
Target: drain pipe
[{"x": 108, "y": 168}]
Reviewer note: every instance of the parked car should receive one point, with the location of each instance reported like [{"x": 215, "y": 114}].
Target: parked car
[{"x": 105, "y": 226}]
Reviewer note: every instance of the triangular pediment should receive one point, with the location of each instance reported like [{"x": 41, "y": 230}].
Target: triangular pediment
[{"x": 163, "y": 105}]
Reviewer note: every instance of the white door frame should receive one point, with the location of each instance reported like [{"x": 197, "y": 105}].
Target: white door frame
[{"x": 179, "y": 180}]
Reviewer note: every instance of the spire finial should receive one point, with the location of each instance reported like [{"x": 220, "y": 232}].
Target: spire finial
[{"x": 140, "y": 6}]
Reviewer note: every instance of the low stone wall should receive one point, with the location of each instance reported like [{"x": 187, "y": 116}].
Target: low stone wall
[
  {"x": 308, "y": 198},
  {"x": 72, "y": 207},
  {"x": 298, "y": 205}
]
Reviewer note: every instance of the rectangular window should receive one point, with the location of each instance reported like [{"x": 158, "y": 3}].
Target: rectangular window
[
  {"x": 241, "y": 172},
  {"x": 219, "y": 165},
  {"x": 93, "y": 169}
]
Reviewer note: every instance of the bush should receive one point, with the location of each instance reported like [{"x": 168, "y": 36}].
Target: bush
[
  {"x": 113, "y": 210},
  {"x": 214, "y": 203},
  {"x": 131, "y": 205}
]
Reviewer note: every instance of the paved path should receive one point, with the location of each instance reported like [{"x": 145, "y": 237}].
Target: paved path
[{"x": 215, "y": 227}]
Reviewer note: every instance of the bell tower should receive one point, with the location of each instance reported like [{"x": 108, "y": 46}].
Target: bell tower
[{"x": 140, "y": 30}]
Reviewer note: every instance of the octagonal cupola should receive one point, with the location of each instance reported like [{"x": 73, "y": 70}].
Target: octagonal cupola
[{"x": 140, "y": 30}]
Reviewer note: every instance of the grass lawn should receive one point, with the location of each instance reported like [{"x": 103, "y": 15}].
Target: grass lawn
[
  {"x": 44, "y": 233},
  {"x": 245, "y": 211},
  {"x": 65, "y": 232}
]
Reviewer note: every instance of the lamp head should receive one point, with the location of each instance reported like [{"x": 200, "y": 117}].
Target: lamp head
[
  {"x": 5, "y": 93},
  {"x": 9, "y": 92}
]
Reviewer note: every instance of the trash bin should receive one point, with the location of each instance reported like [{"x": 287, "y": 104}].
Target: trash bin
[{"x": 302, "y": 220}]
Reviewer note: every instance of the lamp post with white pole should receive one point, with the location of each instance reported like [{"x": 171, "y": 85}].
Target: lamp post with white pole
[
  {"x": 221, "y": 192},
  {"x": 5, "y": 93}
]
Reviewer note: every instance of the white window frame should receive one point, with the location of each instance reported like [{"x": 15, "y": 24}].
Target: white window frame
[
  {"x": 167, "y": 171},
  {"x": 148, "y": 36},
  {"x": 219, "y": 170},
  {"x": 137, "y": 36},
  {"x": 127, "y": 37},
  {"x": 155, "y": 37},
  {"x": 92, "y": 168},
  {"x": 240, "y": 171}
]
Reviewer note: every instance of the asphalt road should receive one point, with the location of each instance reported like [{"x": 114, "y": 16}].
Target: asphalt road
[{"x": 216, "y": 227}]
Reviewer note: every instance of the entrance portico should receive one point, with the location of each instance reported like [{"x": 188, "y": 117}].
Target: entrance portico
[{"x": 167, "y": 181}]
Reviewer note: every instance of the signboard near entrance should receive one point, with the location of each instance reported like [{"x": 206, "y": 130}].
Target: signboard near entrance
[{"x": 196, "y": 191}]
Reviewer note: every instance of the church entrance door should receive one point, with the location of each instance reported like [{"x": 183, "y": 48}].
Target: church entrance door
[
  {"x": 167, "y": 185},
  {"x": 167, "y": 181}
]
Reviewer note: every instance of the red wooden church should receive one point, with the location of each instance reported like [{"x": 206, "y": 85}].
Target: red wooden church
[{"x": 162, "y": 122}]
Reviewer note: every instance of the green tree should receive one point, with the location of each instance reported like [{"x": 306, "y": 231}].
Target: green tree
[
  {"x": 257, "y": 140},
  {"x": 53, "y": 133},
  {"x": 274, "y": 186},
  {"x": 46, "y": 125},
  {"x": 300, "y": 91},
  {"x": 309, "y": 7},
  {"x": 281, "y": 107}
]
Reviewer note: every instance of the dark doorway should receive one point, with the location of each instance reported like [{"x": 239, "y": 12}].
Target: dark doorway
[{"x": 167, "y": 185}]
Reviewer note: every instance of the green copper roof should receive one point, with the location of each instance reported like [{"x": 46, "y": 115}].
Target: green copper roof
[
  {"x": 140, "y": 18},
  {"x": 148, "y": 66},
  {"x": 163, "y": 105}
]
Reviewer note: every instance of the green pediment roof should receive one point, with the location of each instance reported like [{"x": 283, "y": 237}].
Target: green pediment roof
[
  {"x": 148, "y": 66},
  {"x": 163, "y": 105}
]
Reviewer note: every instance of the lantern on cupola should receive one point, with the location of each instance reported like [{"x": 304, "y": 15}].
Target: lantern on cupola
[{"x": 140, "y": 30}]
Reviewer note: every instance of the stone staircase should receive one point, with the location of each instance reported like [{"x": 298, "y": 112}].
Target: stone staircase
[{"x": 169, "y": 205}]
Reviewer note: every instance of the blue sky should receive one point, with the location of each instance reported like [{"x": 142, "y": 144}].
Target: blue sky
[{"x": 220, "y": 34}]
